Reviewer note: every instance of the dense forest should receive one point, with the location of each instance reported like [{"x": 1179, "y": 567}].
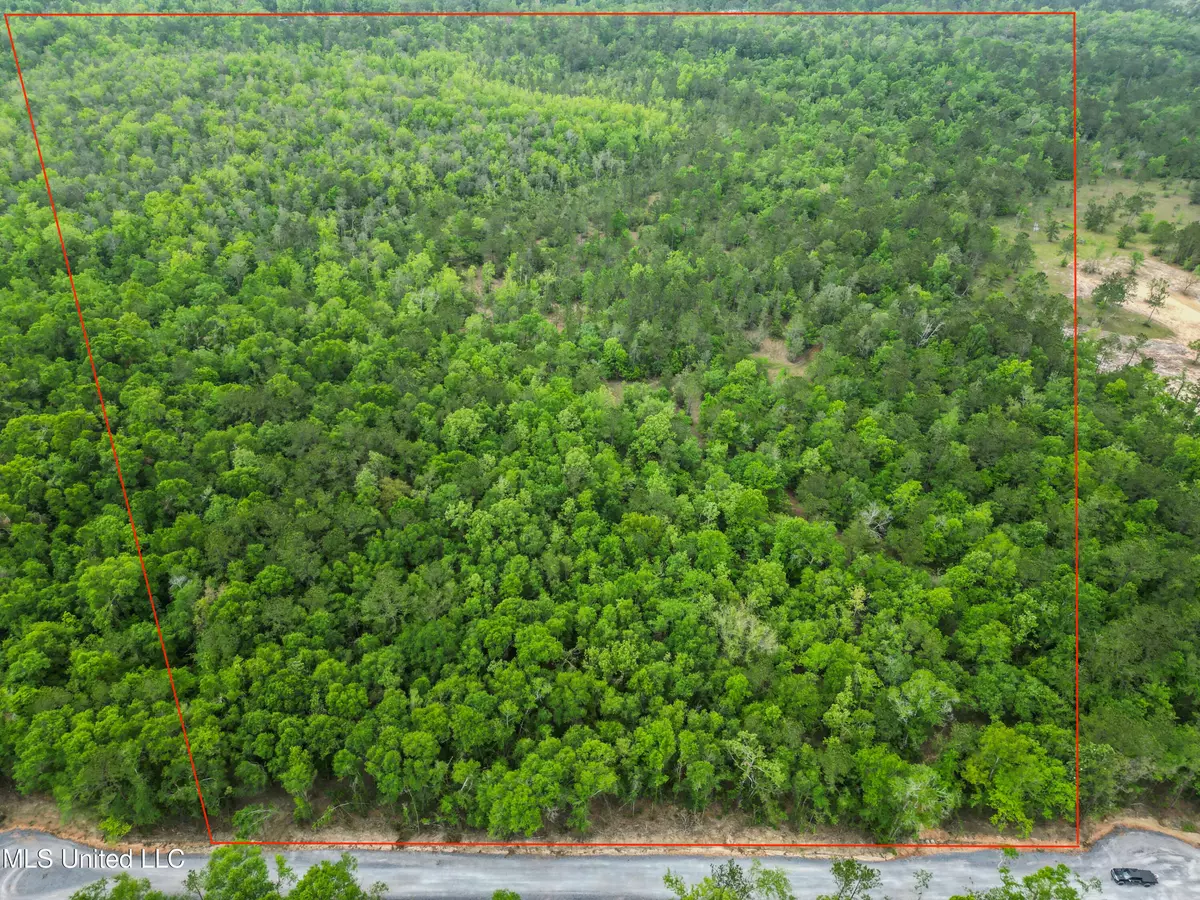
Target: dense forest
[{"x": 429, "y": 347}]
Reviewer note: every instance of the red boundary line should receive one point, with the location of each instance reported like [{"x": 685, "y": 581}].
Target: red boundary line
[
  {"x": 580, "y": 14},
  {"x": 528, "y": 14},
  {"x": 1075, "y": 372},
  {"x": 108, "y": 428}
]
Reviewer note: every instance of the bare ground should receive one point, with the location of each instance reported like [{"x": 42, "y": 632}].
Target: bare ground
[
  {"x": 42, "y": 814},
  {"x": 1181, "y": 314},
  {"x": 558, "y": 318},
  {"x": 1169, "y": 357},
  {"x": 612, "y": 824},
  {"x": 1169, "y": 202},
  {"x": 773, "y": 352},
  {"x": 616, "y": 386},
  {"x": 794, "y": 504}
]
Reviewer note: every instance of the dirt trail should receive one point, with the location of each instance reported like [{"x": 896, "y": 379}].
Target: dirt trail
[
  {"x": 659, "y": 824},
  {"x": 1106, "y": 827}
]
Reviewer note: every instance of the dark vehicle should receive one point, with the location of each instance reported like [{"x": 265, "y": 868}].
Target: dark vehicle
[{"x": 1144, "y": 877}]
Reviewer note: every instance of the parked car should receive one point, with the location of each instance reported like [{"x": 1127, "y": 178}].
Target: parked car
[{"x": 1144, "y": 877}]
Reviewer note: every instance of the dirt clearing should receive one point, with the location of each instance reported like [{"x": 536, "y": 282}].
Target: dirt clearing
[
  {"x": 1180, "y": 314},
  {"x": 773, "y": 352}
]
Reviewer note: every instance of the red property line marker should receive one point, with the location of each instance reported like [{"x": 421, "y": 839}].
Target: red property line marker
[
  {"x": 572, "y": 14},
  {"x": 108, "y": 428},
  {"x": 526, "y": 14},
  {"x": 1075, "y": 377},
  {"x": 399, "y": 844}
]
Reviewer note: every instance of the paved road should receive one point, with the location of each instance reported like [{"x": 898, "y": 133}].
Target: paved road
[{"x": 441, "y": 876}]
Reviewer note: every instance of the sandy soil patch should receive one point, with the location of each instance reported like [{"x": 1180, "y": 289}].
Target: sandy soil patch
[
  {"x": 613, "y": 824},
  {"x": 1168, "y": 200},
  {"x": 42, "y": 814},
  {"x": 773, "y": 352},
  {"x": 1181, "y": 313},
  {"x": 1106, "y": 827}
]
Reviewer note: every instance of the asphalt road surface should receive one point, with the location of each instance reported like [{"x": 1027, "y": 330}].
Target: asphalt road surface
[{"x": 467, "y": 875}]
